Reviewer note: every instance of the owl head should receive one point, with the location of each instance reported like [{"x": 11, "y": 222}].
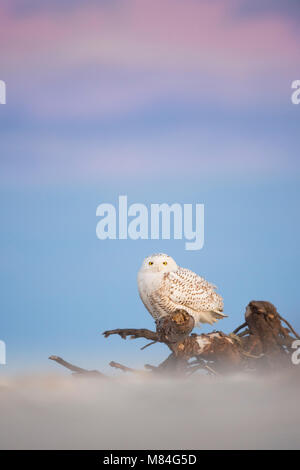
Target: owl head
[{"x": 159, "y": 263}]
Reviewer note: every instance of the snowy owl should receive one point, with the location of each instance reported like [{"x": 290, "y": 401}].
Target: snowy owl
[{"x": 164, "y": 288}]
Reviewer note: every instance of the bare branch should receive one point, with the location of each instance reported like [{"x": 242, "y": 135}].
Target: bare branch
[
  {"x": 289, "y": 325},
  {"x": 134, "y": 333},
  {"x": 75, "y": 369},
  {"x": 200, "y": 364},
  {"x": 147, "y": 345},
  {"x": 150, "y": 367},
  {"x": 239, "y": 328},
  {"x": 243, "y": 333},
  {"x": 116, "y": 365}
]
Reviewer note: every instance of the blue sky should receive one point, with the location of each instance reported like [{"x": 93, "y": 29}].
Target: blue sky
[
  {"x": 185, "y": 103},
  {"x": 61, "y": 286}
]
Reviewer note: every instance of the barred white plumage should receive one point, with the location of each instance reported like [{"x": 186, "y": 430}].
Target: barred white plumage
[{"x": 165, "y": 287}]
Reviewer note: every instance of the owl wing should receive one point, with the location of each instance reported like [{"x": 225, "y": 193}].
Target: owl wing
[{"x": 185, "y": 288}]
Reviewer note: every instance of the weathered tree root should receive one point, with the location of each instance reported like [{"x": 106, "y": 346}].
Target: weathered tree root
[{"x": 261, "y": 343}]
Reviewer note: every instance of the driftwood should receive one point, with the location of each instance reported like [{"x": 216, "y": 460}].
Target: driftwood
[{"x": 261, "y": 343}]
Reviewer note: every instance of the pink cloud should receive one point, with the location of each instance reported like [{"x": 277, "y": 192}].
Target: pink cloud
[{"x": 188, "y": 50}]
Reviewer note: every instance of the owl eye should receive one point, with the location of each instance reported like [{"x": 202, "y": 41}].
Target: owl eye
[
  {"x": 165, "y": 263},
  {"x": 150, "y": 263}
]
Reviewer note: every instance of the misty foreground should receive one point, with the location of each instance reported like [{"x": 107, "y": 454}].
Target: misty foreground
[{"x": 130, "y": 412}]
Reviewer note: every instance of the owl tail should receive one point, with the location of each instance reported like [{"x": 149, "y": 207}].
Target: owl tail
[
  {"x": 219, "y": 314},
  {"x": 210, "y": 317}
]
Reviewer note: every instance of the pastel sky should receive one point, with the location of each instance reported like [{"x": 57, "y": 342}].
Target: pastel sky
[
  {"x": 165, "y": 101},
  {"x": 105, "y": 88}
]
